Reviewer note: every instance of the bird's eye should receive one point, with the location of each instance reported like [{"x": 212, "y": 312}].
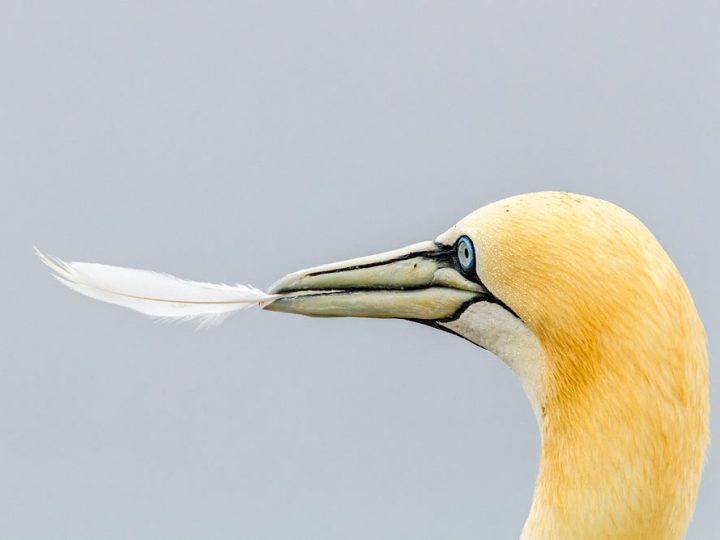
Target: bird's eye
[{"x": 466, "y": 253}]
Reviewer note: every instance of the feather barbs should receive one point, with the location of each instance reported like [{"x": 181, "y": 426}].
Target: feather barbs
[{"x": 156, "y": 294}]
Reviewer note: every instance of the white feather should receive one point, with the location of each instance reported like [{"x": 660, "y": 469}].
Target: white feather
[{"x": 154, "y": 293}]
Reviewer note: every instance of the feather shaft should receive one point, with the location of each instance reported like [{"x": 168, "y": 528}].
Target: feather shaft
[{"x": 156, "y": 294}]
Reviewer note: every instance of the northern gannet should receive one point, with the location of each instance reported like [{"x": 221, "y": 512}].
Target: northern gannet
[{"x": 575, "y": 295}]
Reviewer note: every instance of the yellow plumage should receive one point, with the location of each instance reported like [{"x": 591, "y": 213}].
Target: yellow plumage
[{"x": 625, "y": 383}]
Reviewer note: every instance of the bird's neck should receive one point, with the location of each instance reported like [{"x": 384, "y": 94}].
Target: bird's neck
[
  {"x": 622, "y": 446},
  {"x": 623, "y": 419}
]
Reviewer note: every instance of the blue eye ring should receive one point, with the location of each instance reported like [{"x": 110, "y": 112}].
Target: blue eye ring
[{"x": 465, "y": 253}]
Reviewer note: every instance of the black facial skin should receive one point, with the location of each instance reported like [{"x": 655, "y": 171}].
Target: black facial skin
[
  {"x": 471, "y": 275},
  {"x": 449, "y": 256}
]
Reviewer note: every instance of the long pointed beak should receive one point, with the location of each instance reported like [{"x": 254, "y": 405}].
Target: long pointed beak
[{"x": 416, "y": 282}]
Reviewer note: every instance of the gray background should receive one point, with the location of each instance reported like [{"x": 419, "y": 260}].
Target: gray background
[{"x": 239, "y": 141}]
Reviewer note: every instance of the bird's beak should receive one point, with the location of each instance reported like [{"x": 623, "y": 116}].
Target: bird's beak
[{"x": 417, "y": 282}]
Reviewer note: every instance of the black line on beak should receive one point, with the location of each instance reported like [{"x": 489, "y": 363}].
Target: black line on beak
[
  {"x": 443, "y": 254},
  {"x": 446, "y": 255}
]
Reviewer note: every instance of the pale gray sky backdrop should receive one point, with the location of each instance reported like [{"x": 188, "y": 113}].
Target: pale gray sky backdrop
[{"x": 239, "y": 141}]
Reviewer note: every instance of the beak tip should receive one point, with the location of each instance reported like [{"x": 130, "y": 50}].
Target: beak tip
[{"x": 282, "y": 283}]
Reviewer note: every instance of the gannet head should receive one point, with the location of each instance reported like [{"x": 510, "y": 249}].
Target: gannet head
[{"x": 580, "y": 299}]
